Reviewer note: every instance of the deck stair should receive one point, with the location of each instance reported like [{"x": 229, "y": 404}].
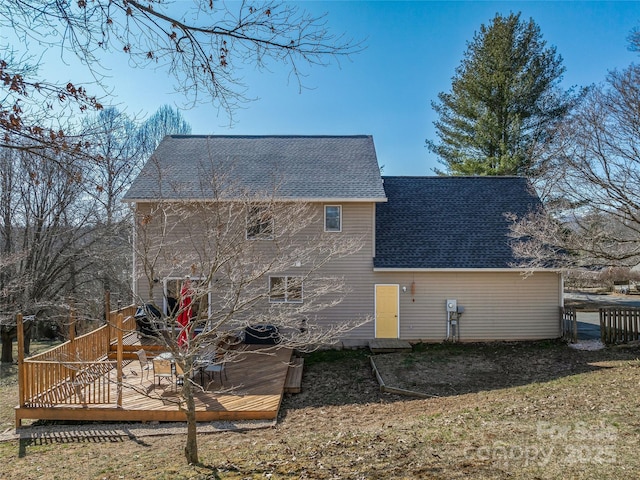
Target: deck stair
[
  {"x": 293, "y": 382},
  {"x": 388, "y": 345}
]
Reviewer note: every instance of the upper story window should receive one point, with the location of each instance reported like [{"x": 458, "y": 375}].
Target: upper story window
[
  {"x": 285, "y": 289},
  {"x": 259, "y": 223},
  {"x": 332, "y": 218}
]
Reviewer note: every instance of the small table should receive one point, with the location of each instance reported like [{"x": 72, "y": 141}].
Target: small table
[
  {"x": 201, "y": 364},
  {"x": 207, "y": 364},
  {"x": 212, "y": 368}
]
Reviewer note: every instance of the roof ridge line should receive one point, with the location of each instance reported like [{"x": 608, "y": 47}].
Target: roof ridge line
[{"x": 269, "y": 136}]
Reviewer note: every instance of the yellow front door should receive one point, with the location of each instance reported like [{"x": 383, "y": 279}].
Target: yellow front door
[{"x": 386, "y": 311}]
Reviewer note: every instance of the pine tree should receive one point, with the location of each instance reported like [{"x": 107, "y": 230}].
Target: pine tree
[{"x": 503, "y": 102}]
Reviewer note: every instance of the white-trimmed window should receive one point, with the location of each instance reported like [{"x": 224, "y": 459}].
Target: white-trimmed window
[
  {"x": 285, "y": 289},
  {"x": 333, "y": 218},
  {"x": 259, "y": 223}
]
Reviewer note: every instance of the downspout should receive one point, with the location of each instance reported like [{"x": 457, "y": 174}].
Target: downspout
[
  {"x": 446, "y": 339},
  {"x": 134, "y": 241}
]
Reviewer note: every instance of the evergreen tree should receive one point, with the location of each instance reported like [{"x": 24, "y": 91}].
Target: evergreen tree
[{"x": 503, "y": 102}]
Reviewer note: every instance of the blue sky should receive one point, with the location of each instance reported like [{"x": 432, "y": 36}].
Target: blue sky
[{"x": 412, "y": 50}]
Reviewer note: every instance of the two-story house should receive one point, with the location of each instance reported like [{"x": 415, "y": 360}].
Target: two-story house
[{"x": 434, "y": 259}]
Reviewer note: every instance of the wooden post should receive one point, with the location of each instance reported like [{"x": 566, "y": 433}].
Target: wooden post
[
  {"x": 21, "y": 377},
  {"x": 72, "y": 326},
  {"x": 119, "y": 359},
  {"x": 72, "y": 348},
  {"x": 107, "y": 306},
  {"x": 107, "y": 317}
]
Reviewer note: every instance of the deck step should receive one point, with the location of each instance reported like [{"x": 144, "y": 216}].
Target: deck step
[
  {"x": 293, "y": 382},
  {"x": 388, "y": 345}
]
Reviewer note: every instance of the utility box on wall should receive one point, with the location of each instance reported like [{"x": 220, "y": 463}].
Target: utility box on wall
[{"x": 452, "y": 306}]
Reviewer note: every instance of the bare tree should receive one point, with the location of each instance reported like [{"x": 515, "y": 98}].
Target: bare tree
[
  {"x": 204, "y": 48},
  {"x": 118, "y": 147},
  {"x": 250, "y": 258},
  {"x": 592, "y": 188},
  {"x": 165, "y": 121},
  {"x": 116, "y": 158},
  {"x": 64, "y": 230},
  {"x": 46, "y": 235},
  {"x": 34, "y": 113}
]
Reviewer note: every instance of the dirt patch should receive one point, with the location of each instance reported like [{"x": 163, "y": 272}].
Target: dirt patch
[{"x": 444, "y": 370}]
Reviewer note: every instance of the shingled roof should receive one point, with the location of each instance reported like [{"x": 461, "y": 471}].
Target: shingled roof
[
  {"x": 310, "y": 168},
  {"x": 449, "y": 222}
]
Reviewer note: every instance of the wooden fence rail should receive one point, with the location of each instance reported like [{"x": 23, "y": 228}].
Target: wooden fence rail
[
  {"x": 619, "y": 325},
  {"x": 569, "y": 324},
  {"x": 129, "y": 322},
  {"x": 52, "y": 383},
  {"x": 74, "y": 372},
  {"x": 93, "y": 345}
]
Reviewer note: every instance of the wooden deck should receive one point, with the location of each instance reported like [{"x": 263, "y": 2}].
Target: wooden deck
[{"x": 252, "y": 390}]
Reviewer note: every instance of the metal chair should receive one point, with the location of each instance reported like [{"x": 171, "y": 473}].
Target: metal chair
[
  {"x": 218, "y": 365},
  {"x": 162, "y": 369},
  {"x": 202, "y": 360},
  {"x": 145, "y": 364}
]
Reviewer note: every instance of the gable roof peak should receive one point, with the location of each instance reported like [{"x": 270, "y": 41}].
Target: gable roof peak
[{"x": 287, "y": 167}]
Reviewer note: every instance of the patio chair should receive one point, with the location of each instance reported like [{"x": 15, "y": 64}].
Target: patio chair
[
  {"x": 145, "y": 364},
  {"x": 200, "y": 362},
  {"x": 162, "y": 369},
  {"x": 218, "y": 365}
]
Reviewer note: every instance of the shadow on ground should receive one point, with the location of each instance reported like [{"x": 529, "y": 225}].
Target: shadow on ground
[
  {"x": 441, "y": 370},
  {"x": 444, "y": 370}
]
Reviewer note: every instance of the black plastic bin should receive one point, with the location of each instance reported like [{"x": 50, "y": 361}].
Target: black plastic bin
[{"x": 261, "y": 335}]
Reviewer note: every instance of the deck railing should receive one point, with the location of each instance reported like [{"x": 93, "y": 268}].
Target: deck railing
[
  {"x": 619, "y": 325},
  {"x": 52, "y": 383},
  {"x": 75, "y": 371}
]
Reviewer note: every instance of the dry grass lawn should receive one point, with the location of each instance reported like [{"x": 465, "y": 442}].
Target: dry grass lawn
[{"x": 499, "y": 411}]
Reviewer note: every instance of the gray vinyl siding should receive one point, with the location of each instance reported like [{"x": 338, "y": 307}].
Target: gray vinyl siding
[
  {"x": 356, "y": 269},
  {"x": 498, "y": 305}
]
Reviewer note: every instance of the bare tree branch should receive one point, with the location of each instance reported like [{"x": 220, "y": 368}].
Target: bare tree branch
[
  {"x": 593, "y": 185},
  {"x": 241, "y": 259}
]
